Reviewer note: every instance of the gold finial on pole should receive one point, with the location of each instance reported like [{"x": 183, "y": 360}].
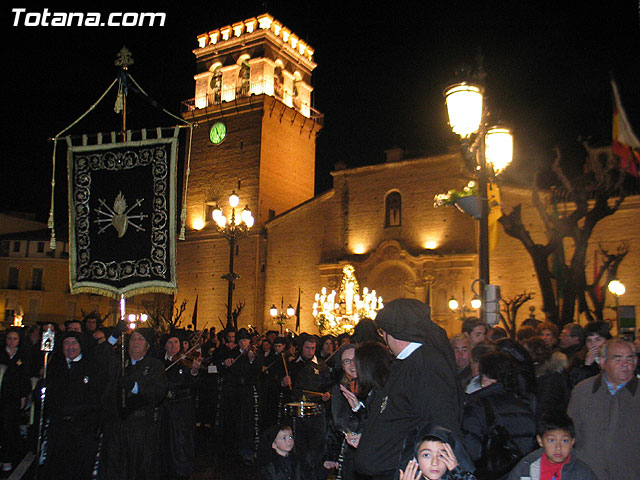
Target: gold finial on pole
[{"x": 124, "y": 58}]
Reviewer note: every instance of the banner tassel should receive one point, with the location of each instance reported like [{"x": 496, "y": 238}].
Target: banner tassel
[{"x": 183, "y": 214}]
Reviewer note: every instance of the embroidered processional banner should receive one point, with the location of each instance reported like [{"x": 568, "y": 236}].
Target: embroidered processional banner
[{"x": 122, "y": 219}]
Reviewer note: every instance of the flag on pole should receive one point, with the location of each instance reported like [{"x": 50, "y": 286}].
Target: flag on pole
[
  {"x": 194, "y": 317},
  {"x": 122, "y": 215},
  {"x": 298, "y": 312},
  {"x": 625, "y": 142}
]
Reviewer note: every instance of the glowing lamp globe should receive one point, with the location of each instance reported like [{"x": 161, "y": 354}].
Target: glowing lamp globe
[
  {"x": 464, "y": 106},
  {"x": 617, "y": 288},
  {"x": 453, "y": 304},
  {"x": 476, "y": 303},
  {"x": 234, "y": 200},
  {"x": 247, "y": 217},
  {"x": 498, "y": 148}
]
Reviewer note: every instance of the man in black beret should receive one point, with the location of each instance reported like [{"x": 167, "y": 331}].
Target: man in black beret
[
  {"x": 177, "y": 412},
  {"x": 239, "y": 403},
  {"x": 131, "y": 435},
  {"x": 421, "y": 387},
  {"x": 73, "y": 406}
]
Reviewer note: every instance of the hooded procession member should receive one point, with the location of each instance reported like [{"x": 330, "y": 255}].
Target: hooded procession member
[{"x": 421, "y": 387}]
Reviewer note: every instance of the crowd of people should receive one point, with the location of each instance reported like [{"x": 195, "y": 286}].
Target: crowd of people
[{"x": 394, "y": 399}]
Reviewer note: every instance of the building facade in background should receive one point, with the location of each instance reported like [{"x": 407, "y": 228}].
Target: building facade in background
[{"x": 256, "y": 136}]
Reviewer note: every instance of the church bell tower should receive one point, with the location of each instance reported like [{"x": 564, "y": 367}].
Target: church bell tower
[{"x": 255, "y": 135}]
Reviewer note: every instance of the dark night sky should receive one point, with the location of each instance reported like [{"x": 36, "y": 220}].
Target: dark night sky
[{"x": 379, "y": 81}]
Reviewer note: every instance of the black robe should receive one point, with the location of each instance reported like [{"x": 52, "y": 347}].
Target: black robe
[
  {"x": 422, "y": 388},
  {"x": 310, "y": 375},
  {"x": 73, "y": 407},
  {"x": 239, "y": 404},
  {"x": 15, "y": 386},
  {"x": 177, "y": 421},
  {"x": 132, "y": 433}
]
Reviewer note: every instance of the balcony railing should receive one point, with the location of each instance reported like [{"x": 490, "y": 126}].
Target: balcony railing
[{"x": 245, "y": 91}]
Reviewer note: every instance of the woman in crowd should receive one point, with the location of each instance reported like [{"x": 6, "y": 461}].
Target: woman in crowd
[
  {"x": 501, "y": 394},
  {"x": 343, "y": 421},
  {"x": 551, "y": 376},
  {"x": 14, "y": 389},
  {"x": 586, "y": 363}
]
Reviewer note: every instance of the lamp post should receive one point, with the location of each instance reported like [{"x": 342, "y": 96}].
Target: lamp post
[
  {"x": 617, "y": 288},
  {"x": 493, "y": 148},
  {"x": 454, "y": 305},
  {"x": 282, "y": 316},
  {"x": 233, "y": 228}
]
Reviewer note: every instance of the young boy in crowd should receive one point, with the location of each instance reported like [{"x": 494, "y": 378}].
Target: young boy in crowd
[
  {"x": 433, "y": 458},
  {"x": 555, "y": 460},
  {"x": 275, "y": 458}
]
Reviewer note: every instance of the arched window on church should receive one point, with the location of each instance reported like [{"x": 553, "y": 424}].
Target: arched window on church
[{"x": 393, "y": 210}]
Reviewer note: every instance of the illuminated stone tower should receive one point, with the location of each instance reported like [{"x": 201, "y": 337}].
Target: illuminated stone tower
[{"x": 256, "y": 135}]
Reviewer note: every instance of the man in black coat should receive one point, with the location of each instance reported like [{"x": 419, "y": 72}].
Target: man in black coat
[
  {"x": 239, "y": 405},
  {"x": 310, "y": 380},
  {"x": 421, "y": 387},
  {"x": 177, "y": 411},
  {"x": 132, "y": 433},
  {"x": 74, "y": 388}
]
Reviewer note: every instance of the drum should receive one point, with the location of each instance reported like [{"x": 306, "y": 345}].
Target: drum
[{"x": 302, "y": 409}]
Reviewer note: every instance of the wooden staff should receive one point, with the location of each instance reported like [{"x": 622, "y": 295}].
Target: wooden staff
[
  {"x": 286, "y": 370},
  {"x": 313, "y": 393}
]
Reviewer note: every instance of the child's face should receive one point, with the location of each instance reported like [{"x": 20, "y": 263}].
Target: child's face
[
  {"x": 283, "y": 444},
  {"x": 430, "y": 460},
  {"x": 557, "y": 445}
]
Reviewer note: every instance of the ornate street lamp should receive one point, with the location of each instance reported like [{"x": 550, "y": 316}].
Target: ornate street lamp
[
  {"x": 281, "y": 317},
  {"x": 463, "y": 309},
  {"x": 233, "y": 228},
  {"x": 493, "y": 148}
]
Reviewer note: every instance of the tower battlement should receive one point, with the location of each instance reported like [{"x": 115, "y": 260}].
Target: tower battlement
[{"x": 257, "y": 56}]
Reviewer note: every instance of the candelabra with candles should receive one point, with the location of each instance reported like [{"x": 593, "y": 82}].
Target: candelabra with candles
[{"x": 339, "y": 312}]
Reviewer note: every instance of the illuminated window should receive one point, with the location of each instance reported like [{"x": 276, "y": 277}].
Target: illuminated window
[{"x": 393, "y": 210}]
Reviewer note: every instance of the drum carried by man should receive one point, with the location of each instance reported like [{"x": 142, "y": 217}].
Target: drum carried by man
[{"x": 309, "y": 380}]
